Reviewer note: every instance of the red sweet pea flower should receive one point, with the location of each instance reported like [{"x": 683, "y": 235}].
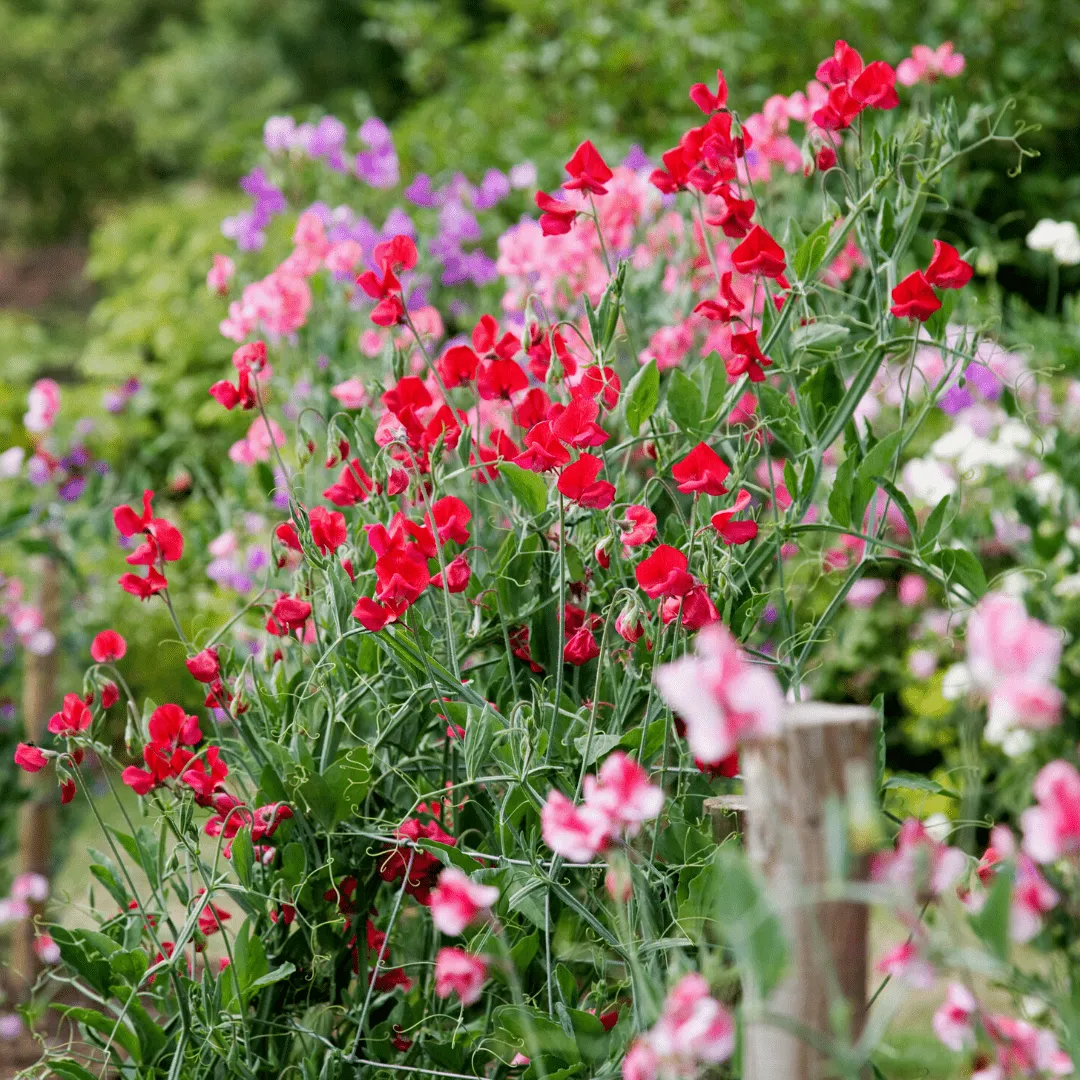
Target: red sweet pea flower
[
  {"x": 372, "y": 616},
  {"x": 128, "y": 522},
  {"x": 876, "y": 86},
  {"x": 143, "y": 587},
  {"x": 575, "y": 424},
  {"x": 675, "y": 174},
  {"x": 543, "y": 451},
  {"x": 947, "y": 270},
  {"x": 204, "y": 666},
  {"x": 735, "y": 532},
  {"x": 839, "y": 110},
  {"x": 401, "y": 575},
  {"x": 735, "y": 217},
  {"x": 698, "y": 610},
  {"x": 352, "y": 486},
  {"x": 702, "y": 471},
  {"x": 500, "y": 379},
  {"x": 109, "y": 695},
  {"x": 286, "y": 533},
  {"x": 452, "y": 518},
  {"x": 457, "y": 365},
  {"x": 328, "y": 529},
  {"x": 556, "y": 217},
  {"x": 914, "y": 299},
  {"x": 163, "y": 538},
  {"x": 30, "y": 758},
  {"x": 725, "y": 307},
  {"x": 170, "y": 726},
  {"x": 290, "y": 612},
  {"x": 210, "y": 918},
  {"x": 107, "y": 646},
  {"x": 532, "y": 408},
  {"x": 67, "y": 791},
  {"x": 588, "y": 170},
  {"x": 409, "y": 392},
  {"x": 457, "y": 575},
  {"x": 759, "y": 253},
  {"x": 398, "y": 253},
  {"x": 842, "y": 68},
  {"x": 267, "y": 819},
  {"x": 705, "y": 99},
  {"x": 581, "y": 648},
  {"x": 74, "y": 717},
  {"x": 642, "y": 529},
  {"x": 600, "y": 382},
  {"x": 748, "y": 358},
  {"x": 664, "y": 573},
  {"x": 825, "y": 159},
  {"x": 578, "y": 483},
  {"x": 205, "y": 777}
]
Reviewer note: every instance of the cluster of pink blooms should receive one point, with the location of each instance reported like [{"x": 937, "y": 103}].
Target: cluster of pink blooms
[
  {"x": 1018, "y": 1049},
  {"x": 617, "y": 802},
  {"x": 1013, "y": 659},
  {"x": 694, "y": 1029},
  {"x": 456, "y": 902}
]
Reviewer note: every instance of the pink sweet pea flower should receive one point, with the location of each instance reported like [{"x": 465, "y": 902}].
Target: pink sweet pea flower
[
  {"x": 1052, "y": 828},
  {"x": 457, "y": 901},
  {"x": 622, "y": 791},
  {"x": 920, "y": 864},
  {"x": 576, "y": 833},
  {"x": 720, "y": 695},
  {"x": 456, "y": 972},
  {"x": 953, "y": 1020}
]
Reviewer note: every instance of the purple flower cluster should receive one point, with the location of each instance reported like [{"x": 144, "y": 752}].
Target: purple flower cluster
[
  {"x": 325, "y": 141},
  {"x": 248, "y": 228}
]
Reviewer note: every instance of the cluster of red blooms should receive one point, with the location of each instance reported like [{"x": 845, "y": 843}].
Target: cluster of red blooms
[
  {"x": 392, "y": 256},
  {"x": 162, "y": 544},
  {"x": 425, "y": 869},
  {"x": 914, "y": 297},
  {"x": 250, "y": 363},
  {"x": 853, "y": 87},
  {"x": 589, "y": 174},
  {"x": 402, "y": 556}
]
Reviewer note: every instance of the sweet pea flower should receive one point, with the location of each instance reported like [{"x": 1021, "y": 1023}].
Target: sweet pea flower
[
  {"x": 621, "y": 789},
  {"x": 927, "y": 65},
  {"x": 576, "y": 833},
  {"x": 953, "y": 1020},
  {"x": 457, "y": 972},
  {"x": 1052, "y": 827},
  {"x": 720, "y": 695},
  {"x": 107, "y": 647},
  {"x": 457, "y": 901},
  {"x": 920, "y": 865}
]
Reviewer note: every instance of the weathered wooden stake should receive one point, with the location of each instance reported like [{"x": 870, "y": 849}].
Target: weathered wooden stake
[
  {"x": 790, "y": 780},
  {"x": 35, "y": 819}
]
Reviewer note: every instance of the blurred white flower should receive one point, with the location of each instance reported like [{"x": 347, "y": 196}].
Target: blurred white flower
[
  {"x": 1060, "y": 238},
  {"x": 11, "y": 462}
]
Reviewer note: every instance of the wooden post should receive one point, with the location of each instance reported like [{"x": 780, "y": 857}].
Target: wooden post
[
  {"x": 728, "y": 814},
  {"x": 790, "y": 780},
  {"x": 35, "y": 819}
]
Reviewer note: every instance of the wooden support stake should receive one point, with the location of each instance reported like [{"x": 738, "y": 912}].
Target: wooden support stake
[
  {"x": 790, "y": 780},
  {"x": 35, "y": 818},
  {"x": 728, "y": 814}
]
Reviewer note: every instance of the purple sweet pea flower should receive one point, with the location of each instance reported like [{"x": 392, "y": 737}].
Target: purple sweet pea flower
[
  {"x": 72, "y": 489},
  {"x": 279, "y": 133},
  {"x": 523, "y": 176},
  {"x": 421, "y": 193},
  {"x": 636, "y": 158},
  {"x": 492, "y": 190}
]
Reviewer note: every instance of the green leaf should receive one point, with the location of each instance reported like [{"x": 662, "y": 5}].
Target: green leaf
[
  {"x": 108, "y": 1026},
  {"x": 528, "y": 487},
  {"x": 293, "y": 864},
  {"x": 716, "y": 386},
  {"x": 130, "y": 964},
  {"x": 282, "y": 971},
  {"x": 961, "y": 568},
  {"x": 912, "y": 782},
  {"x": 81, "y": 956},
  {"x": 684, "y": 401},
  {"x": 641, "y": 396},
  {"x": 451, "y": 856},
  {"x": 878, "y": 461},
  {"x": 840, "y": 496},
  {"x": 819, "y": 337},
  {"x": 934, "y": 523},
  {"x": 992, "y": 922},
  {"x": 811, "y": 251},
  {"x": 480, "y": 732},
  {"x": 904, "y": 506},
  {"x": 243, "y": 857},
  {"x": 529, "y": 1030},
  {"x": 67, "y": 1069},
  {"x": 600, "y": 745},
  {"x": 108, "y": 879},
  {"x": 348, "y": 780}
]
